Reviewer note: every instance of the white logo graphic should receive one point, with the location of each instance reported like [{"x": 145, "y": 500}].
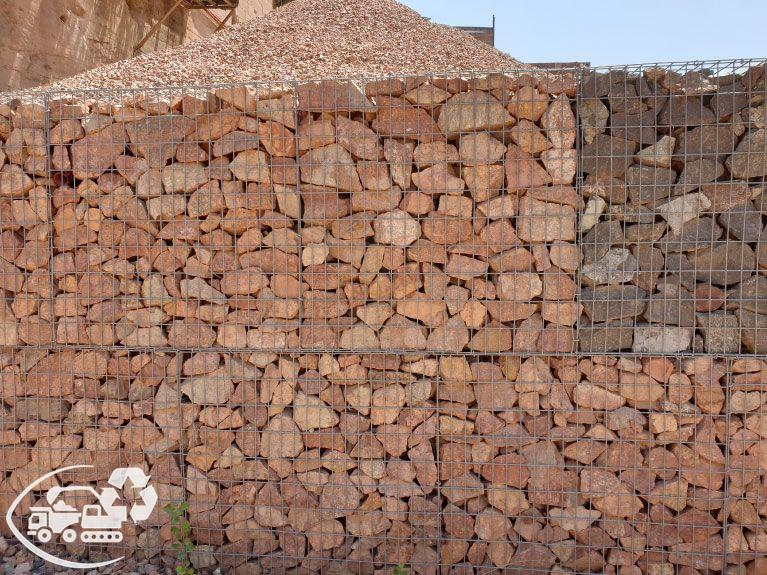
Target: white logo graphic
[{"x": 99, "y": 521}]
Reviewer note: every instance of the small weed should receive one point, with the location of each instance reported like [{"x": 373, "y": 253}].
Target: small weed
[
  {"x": 182, "y": 543},
  {"x": 400, "y": 570}
]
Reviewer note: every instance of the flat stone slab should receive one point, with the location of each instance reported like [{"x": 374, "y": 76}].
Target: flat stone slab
[
  {"x": 606, "y": 337},
  {"x": 661, "y": 339},
  {"x": 753, "y": 332},
  {"x": 724, "y": 264},
  {"x": 674, "y": 309},
  {"x": 613, "y": 302},
  {"x": 681, "y": 210}
]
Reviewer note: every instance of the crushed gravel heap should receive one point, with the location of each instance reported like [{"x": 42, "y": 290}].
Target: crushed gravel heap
[{"x": 306, "y": 39}]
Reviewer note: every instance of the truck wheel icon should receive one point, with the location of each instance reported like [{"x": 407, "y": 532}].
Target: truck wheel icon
[
  {"x": 44, "y": 535},
  {"x": 69, "y": 536}
]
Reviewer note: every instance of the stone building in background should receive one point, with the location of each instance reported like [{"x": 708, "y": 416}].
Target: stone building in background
[{"x": 44, "y": 40}]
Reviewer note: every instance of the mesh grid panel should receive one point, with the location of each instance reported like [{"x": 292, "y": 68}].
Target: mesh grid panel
[
  {"x": 672, "y": 234},
  {"x": 25, "y": 311},
  {"x": 476, "y": 323},
  {"x": 315, "y": 219}
]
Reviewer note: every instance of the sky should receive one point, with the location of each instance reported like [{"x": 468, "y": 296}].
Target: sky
[{"x": 613, "y": 32}]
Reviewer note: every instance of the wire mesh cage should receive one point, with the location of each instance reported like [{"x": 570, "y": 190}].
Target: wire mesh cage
[
  {"x": 25, "y": 284},
  {"x": 362, "y": 462},
  {"x": 314, "y": 218},
  {"x": 71, "y": 418},
  {"x": 138, "y": 245},
  {"x": 471, "y": 323},
  {"x": 673, "y": 174}
]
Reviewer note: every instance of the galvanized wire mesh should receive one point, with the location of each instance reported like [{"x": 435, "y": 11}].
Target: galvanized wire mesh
[
  {"x": 672, "y": 236},
  {"x": 348, "y": 462},
  {"x": 262, "y": 197},
  {"x": 25, "y": 312},
  {"x": 361, "y": 324}
]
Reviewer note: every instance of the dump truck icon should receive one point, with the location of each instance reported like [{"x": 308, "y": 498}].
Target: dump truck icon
[{"x": 97, "y": 522}]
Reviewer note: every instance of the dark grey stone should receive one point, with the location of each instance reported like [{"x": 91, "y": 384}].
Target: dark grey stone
[
  {"x": 606, "y": 337},
  {"x": 742, "y": 222},
  {"x": 623, "y": 98},
  {"x": 651, "y": 266},
  {"x": 677, "y": 309},
  {"x": 753, "y": 330},
  {"x": 724, "y": 264},
  {"x": 644, "y": 233},
  {"x": 728, "y": 100},
  {"x": 679, "y": 267},
  {"x": 612, "y": 302},
  {"x": 595, "y": 85},
  {"x": 637, "y": 126},
  {"x": 750, "y": 294},
  {"x": 697, "y": 172},
  {"x": 714, "y": 141},
  {"x": 632, "y": 213},
  {"x": 599, "y": 239},
  {"x": 608, "y": 156},
  {"x": 681, "y": 110},
  {"x": 646, "y": 184},
  {"x": 694, "y": 235},
  {"x": 750, "y": 157}
]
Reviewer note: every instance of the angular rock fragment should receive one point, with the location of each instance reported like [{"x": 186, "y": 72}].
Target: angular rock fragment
[
  {"x": 615, "y": 267},
  {"x": 659, "y": 154},
  {"x": 721, "y": 333},
  {"x": 651, "y": 339},
  {"x": 749, "y": 159},
  {"x": 681, "y": 210},
  {"x": 684, "y": 209},
  {"x": 613, "y": 302},
  {"x": 473, "y": 111}
]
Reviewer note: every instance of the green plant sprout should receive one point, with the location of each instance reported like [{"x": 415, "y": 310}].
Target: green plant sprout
[{"x": 182, "y": 543}]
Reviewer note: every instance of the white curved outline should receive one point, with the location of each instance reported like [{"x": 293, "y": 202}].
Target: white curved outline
[{"x": 31, "y": 546}]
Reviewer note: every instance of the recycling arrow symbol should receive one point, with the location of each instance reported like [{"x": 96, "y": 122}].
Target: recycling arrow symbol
[{"x": 139, "y": 480}]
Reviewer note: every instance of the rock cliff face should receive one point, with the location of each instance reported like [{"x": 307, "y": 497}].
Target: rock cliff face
[{"x": 44, "y": 40}]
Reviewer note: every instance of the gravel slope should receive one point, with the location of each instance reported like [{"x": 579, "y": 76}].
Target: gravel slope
[{"x": 306, "y": 39}]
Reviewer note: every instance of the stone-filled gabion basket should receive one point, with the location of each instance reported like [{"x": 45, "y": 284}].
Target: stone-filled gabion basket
[
  {"x": 475, "y": 323},
  {"x": 672, "y": 236}
]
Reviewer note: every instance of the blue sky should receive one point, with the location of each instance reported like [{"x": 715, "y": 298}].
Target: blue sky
[{"x": 613, "y": 32}]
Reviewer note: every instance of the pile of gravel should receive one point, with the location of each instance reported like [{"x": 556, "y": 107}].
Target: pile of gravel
[{"x": 306, "y": 39}]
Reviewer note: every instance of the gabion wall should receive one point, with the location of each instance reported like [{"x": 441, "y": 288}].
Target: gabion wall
[
  {"x": 496, "y": 323},
  {"x": 672, "y": 234}
]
